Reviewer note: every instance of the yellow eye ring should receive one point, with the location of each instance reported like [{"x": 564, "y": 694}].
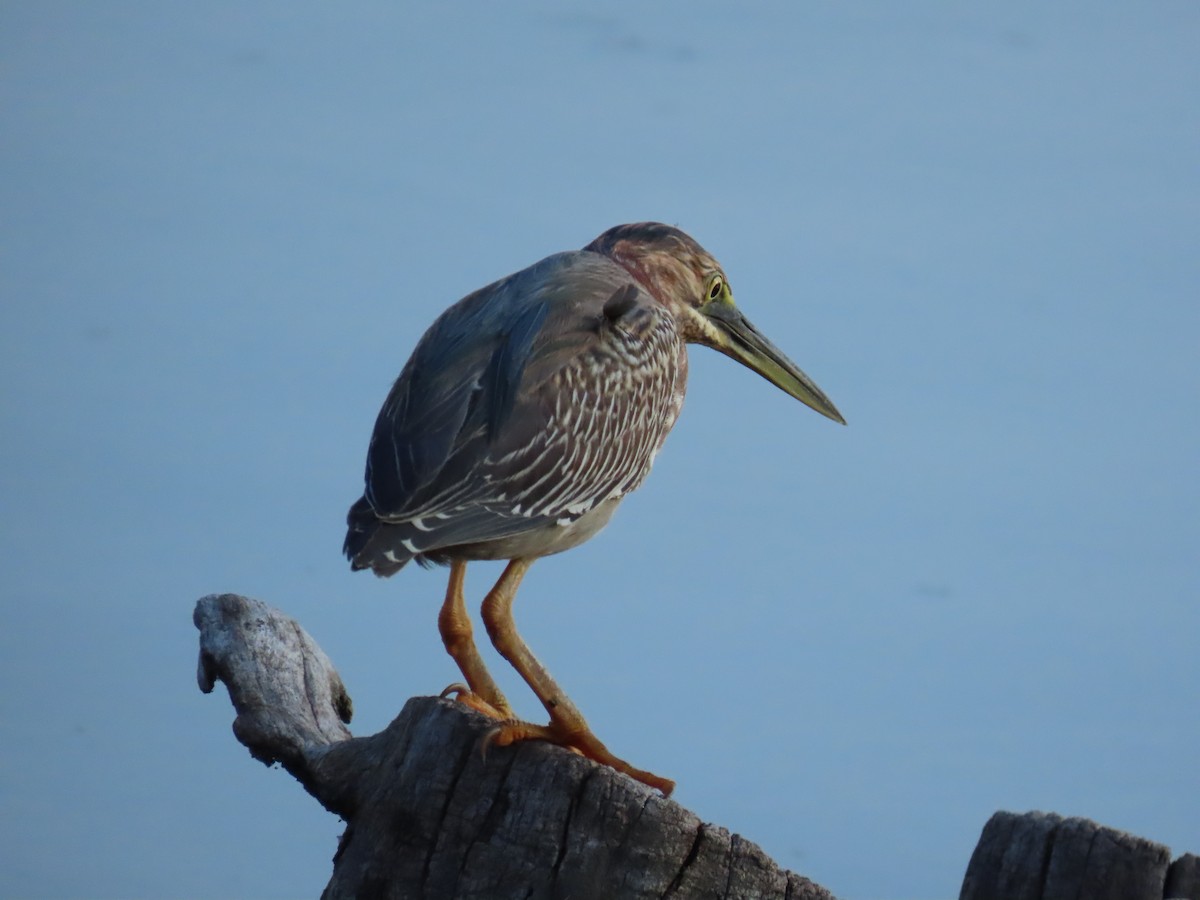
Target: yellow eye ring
[{"x": 716, "y": 287}]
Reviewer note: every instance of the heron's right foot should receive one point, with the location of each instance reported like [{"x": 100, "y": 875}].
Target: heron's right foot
[{"x": 467, "y": 697}]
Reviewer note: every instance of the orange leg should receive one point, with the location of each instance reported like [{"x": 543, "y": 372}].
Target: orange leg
[
  {"x": 480, "y": 692},
  {"x": 567, "y": 726}
]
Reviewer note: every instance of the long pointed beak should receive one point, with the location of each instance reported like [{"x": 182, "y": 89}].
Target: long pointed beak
[{"x": 745, "y": 343}]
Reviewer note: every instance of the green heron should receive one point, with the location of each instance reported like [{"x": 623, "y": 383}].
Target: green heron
[{"x": 527, "y": 411}]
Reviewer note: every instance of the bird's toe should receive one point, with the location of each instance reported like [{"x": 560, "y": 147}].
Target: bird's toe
[{"x": 464, "y": 695}]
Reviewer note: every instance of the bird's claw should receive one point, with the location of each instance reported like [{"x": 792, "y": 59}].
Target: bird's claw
[
  {"x": 488, "y": 739},
  {"x": 467, "y": 697}
]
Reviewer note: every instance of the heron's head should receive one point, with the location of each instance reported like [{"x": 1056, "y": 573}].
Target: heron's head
[{"x": 684, "y": 277}]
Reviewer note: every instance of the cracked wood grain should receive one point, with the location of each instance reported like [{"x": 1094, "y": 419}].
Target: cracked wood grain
[{"x": 1043, "y": 856}]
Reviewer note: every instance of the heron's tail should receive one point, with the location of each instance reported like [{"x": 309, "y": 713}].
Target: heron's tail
[{"x": 369, "y": 544}]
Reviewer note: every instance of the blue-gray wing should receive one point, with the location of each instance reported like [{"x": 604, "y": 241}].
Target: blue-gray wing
[{"x": 514, "y": 412}]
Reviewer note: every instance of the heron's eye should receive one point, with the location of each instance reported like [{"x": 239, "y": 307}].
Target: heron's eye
[{"x": 715, "y": 288}]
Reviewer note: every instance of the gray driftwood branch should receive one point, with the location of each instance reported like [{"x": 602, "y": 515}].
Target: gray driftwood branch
[{"x": 427, "y": 816}]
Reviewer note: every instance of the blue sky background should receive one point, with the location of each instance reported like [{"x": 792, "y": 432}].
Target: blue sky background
[{"x": 223, "y": 226}]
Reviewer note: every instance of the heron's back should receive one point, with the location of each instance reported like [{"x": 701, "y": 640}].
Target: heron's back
[{"x": 526, "y": 412}]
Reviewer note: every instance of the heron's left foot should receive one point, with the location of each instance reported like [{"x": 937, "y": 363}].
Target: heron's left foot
[
  {"x": 467, "y": 697},
  {"x": 576, "y": 737}
]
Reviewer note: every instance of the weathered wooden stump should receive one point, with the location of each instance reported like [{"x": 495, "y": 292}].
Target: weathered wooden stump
[
  {"x": 1042, "y": 856},
  {"x": 427, "y": 816}
]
